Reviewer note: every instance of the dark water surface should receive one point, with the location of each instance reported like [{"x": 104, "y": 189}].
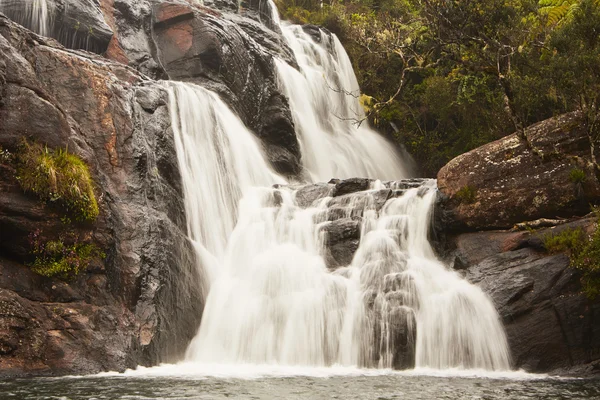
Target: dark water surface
[{"x": 358, "y": 385}]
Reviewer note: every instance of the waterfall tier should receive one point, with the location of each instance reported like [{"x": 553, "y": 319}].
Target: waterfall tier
[
  {"x": 281, "y": 289},
  {"x": 395, "y": 305}
]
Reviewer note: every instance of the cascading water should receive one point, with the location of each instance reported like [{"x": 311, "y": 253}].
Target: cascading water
[
  {"x": 35, "y": 14},
  {"x": 334, "y": 137},
  {"x": 272, "y": 298},
  {"x": 395, "y": 305},
  {"x": 219, "y": 159}
]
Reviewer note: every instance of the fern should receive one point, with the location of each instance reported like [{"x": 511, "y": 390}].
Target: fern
[{"x": 560, "y": 11}]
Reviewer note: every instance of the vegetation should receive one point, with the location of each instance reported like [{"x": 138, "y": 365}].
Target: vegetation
[
  {"x": 584, "y": 253},
  {"x": 443, "y": 77},
  {"x": 57, "y": 176},
  {"x": 467, "y": 194},
  {"x": 577, "y": 176},
  {"x": 61, "y": 258}
]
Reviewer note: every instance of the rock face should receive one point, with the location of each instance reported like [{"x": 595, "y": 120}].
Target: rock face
[
  {"x": 511, "y": 180},
  {"x": 228, "y": 55},
  {"x": 550, "y": 324},
  {"x": 77, "y": 24},
  {"x": 121, "y": 311}
]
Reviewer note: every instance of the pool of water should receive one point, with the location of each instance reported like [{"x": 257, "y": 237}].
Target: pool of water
[{"x": 256, "y": 382}]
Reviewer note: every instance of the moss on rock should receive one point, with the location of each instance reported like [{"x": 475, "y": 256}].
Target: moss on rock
[{"x": 57, "y": 176}]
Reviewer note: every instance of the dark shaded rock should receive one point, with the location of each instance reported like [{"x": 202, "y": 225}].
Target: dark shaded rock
[
  {"x": 512, "y": 180},
  {"x": 340, "y": 230},
  {"x": 307, "y": 195},
  {"x": 341, "y": 254},
  {"x": 350, "y": 186},
  {"x": 549, "y": 322}
]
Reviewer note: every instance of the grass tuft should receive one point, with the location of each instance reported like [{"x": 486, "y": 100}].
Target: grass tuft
[{"x": 57, "y": 176}]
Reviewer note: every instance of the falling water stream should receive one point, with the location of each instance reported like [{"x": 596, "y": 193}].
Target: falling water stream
[
  {"x": 35, "y": 14},
  {"x": 271, "y": 298}
]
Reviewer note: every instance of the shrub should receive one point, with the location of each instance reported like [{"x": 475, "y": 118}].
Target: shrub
[
  {"x": 577, "y": 176},
  {"x": 569, "y": 240},
  {"x": 467, "y": 194},
  {"x": 56, "y": 258},
  {"x": 584, "y": 254},
  {"x": 57, "y": 176}
]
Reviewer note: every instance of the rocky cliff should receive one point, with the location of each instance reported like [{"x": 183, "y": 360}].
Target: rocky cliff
[
  {"x": 120, "y": 311},
  {"x": 499, "y": 204}
]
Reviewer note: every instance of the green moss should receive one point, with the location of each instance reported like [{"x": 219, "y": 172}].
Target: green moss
[
  {"x": 467, "y": 194},
  {"x": 577, "y": 176},
  {"x": 57, "y": 176},
  {"x": 59, "y": 259}
]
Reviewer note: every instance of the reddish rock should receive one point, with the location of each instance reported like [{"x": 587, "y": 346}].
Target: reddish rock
[{"x": 172, "y": 11}]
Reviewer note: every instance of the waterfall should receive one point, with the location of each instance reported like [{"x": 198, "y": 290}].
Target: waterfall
[
  {"x": 34, "y": 15},
  {"x": 395, "y": 305},
  {"x": 219, "y": 159},
  {"x": 335, "y": 139},
  {"x": 271, "y": 297}
]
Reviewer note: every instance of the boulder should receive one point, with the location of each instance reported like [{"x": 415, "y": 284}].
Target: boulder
[
  {"x": 551, "y": 174},
  {"x": 351, "y": 185}
]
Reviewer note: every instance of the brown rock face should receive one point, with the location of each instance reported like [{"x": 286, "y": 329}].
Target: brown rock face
[
  {"x": 122, "y": 311},
  {"x": 511, "y": 180}
]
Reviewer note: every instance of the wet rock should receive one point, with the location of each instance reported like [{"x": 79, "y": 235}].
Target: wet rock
[
  {"x": 372, "y": 200},
  {"x": 350, "y": 186},
  {"x": 341, "y": 254},
  {"x": 203, "y": 46},
  {"x": 307, "y": 195},
  {"x": 123, "y": 310},
  {"x": 341, "y": 229},
  {"x": 512, "y": 180},
  {"x": 549, "y": 322}
]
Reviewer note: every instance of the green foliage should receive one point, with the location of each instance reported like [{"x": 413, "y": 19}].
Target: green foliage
[
  {"x": 467, "y": 194},
  {"x": 584, "y": 253},
  {"x": 444, "y": 77},
  {"x": 560, "y": 11},
  {"x": 62, "y": 258},
  {"x": 57, "y": 176},
  {"x": 569, "y": 240},
  {"x": 577, "y": 176}
]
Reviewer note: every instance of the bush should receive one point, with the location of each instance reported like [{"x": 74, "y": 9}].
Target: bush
[
  {"x": 584, "y": 254},
  {"x": 57, "y": 176},
  {"x": 56, "y": 258},
  {"x": 569, "y": 240}
]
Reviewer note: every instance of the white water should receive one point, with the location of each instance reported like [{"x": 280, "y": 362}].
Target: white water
[
  {"x": 323, "y": 96},
  {"x": 34, "y": 15},
  {"x": 271, "y": 298},
  {"x": 219, "y": 159}
]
